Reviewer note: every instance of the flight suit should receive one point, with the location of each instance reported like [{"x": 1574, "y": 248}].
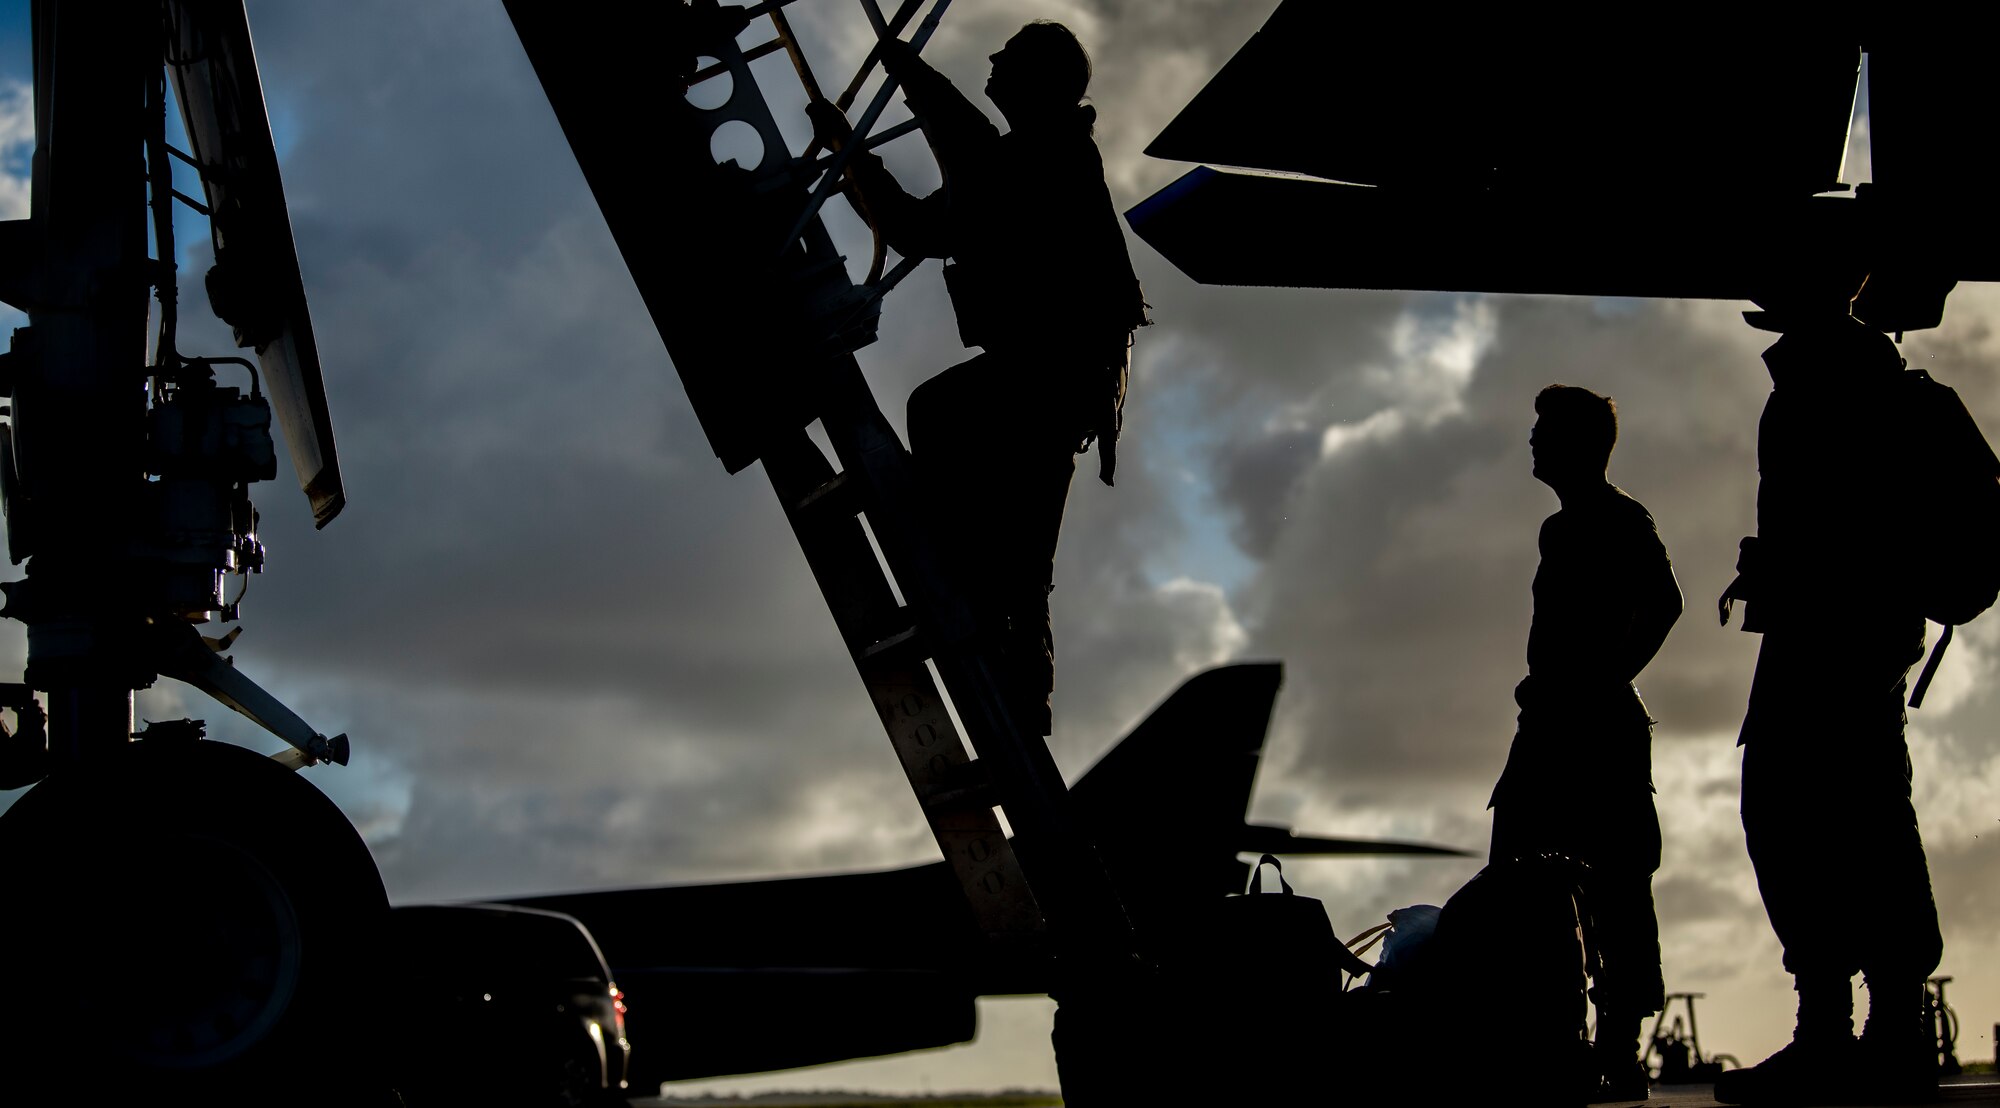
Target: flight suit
[
  {"x": 1041, "y": 281},
  {"x": 1826, "y": 772},
  {"x": 1578, "y": 780}
]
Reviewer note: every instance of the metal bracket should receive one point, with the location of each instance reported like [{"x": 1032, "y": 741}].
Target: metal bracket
[{"x": 181, "y": 653}]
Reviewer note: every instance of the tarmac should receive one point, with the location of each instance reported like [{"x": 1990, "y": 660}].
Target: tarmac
[{"x": 1965, "y": 1089}]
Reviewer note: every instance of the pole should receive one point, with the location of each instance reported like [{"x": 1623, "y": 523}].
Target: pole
[{"x": 79, "y": 402}]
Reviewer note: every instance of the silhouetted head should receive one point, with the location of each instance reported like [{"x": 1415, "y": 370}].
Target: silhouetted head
[
  {"x": 1574, "y": 432},
  {"x": 1040, "y": 75}
]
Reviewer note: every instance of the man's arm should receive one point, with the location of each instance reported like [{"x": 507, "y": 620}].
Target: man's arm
[
  {"x": 961, "y": 139},
  {"x": 1655, "y": 605},
  {"x": 955, "y": 127},
  {"x": 913, "y": 228}
]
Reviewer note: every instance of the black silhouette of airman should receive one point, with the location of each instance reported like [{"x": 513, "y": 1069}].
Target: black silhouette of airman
[
  {"x": 1826, "y": 772},
  {"x": 1578, "y": 780},
  {"x": 1041, "y": 281}
]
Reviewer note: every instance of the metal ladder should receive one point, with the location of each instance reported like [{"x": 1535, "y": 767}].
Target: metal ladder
[{"x": 1062, "y": 887}]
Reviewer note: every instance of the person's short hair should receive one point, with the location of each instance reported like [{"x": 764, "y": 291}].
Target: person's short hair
[
  {"x": 1061, "y": 62},
  {"x": 1591, "y": 419}
]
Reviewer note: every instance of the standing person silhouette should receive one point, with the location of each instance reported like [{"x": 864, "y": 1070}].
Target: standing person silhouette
[
  {"x": 1578, "y": 780},
  {"x": 1042, "y": 282},
  {"x": 1826, "y": 772}
]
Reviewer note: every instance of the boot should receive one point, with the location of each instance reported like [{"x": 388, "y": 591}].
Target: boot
[
  {"x": 1817, "y": 1067},
  {"x": 1621, "y": 1076},
  {"x": 1899, "y": 1052}
]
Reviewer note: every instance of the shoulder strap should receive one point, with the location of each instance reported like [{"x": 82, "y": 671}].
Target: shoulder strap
[
  {"x": 1257, "y": 876},
  {"x": 1951, "y": 430},
  {"x": 1364, "y": 942},
  {"x": 1930, "y": 669}
]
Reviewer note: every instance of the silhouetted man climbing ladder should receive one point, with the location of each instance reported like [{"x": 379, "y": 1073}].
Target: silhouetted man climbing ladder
[
  {"x": 1042, "y": 282},
  {"x": 761, "y": 319}
]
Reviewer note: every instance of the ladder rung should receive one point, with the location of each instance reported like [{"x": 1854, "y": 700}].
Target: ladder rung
[
  {"x": 967, "y": 785},
  {"x": 902, "y": 642},
  {"x": 750, "y": 55},
  {"x": 834, "y": 491}
]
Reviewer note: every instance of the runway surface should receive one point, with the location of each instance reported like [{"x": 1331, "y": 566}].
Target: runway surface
[{"x": 1962, "y": 1092}]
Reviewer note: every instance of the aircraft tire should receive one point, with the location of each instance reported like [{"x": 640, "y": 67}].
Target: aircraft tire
[{"x": 189, "y": 918}]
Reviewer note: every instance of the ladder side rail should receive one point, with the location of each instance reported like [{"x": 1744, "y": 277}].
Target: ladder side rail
[
  {"x": 951, "y": 788},
  {"x": 1024, "y": 776},
  {"x": 897, "y": 22},
  {"x": 1061, "y": 861}
]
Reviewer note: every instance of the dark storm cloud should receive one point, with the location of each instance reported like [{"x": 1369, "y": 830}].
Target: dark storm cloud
[
  {"x": 1255, "y": 376},
  {"x": 544, "y": 580},
  {"x": 1397, "y": 579},
  {"x": 1252, "y": 349},
  {"x": 523, "y": 793},
  {"x": 1148, "y": 60},
  {"x": 532, "y": 500},
  {"x": 1683, "y": 898},
  {"x": 1261, "y": 478}
]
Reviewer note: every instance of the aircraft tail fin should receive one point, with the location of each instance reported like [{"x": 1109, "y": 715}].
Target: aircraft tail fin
[
  {"x": 1166, "y": 806},
  {"x": 1195, "y": 756}
]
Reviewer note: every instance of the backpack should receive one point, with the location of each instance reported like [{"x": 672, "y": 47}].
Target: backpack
[
  {"x": 1520, "y": 932},
  {"x": 1262, "y": 978},
  {"x": 1955, "y": 509}
]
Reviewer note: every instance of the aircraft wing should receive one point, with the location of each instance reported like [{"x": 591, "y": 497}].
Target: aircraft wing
[
  {"x": 1484, "y": 151},
  {"x": 1236, "y": 228},
  {"x": 1263, "y": 839},
  {"x": 760, "y": 975}
]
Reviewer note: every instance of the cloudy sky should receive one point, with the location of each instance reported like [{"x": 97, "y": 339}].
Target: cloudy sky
[{"x": 573, "y": 653}]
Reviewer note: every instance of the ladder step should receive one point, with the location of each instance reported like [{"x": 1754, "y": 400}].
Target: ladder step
[
  {"x": 967, "y": 785},
  {"x": 903, "y": 643},
  {"x": 838, "y": 492}
]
